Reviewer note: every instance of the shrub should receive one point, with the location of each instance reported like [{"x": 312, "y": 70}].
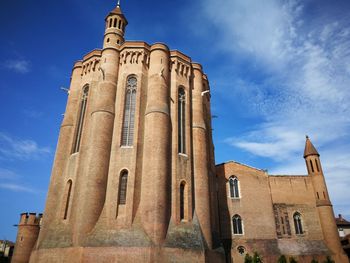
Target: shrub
[
  {"x": 248, "y": 258},
  {"x": 257, "y": 258},
  {"x": 329, "y": 260},
  {"x": 282, "y": 259}
]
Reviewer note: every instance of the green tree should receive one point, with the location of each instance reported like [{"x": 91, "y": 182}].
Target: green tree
[
  {"x": 329, "y": 260},
  {"x": 282, "y": 259},
  {"x": 314, "y": 261},
  {"x": 248, "y": 258},
  {"x": 292, "y": 260},
  {"x": 257, "y": 258}
]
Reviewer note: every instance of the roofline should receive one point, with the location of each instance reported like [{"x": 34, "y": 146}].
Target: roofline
[{"x": 252, "y": 167}]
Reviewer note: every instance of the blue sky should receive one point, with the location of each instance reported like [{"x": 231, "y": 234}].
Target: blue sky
[{"x": 278, "y": 70}]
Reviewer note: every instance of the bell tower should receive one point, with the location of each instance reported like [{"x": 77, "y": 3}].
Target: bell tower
[
  {"x": 323, "y": 204},
  {"x": 115, "y": 28}
]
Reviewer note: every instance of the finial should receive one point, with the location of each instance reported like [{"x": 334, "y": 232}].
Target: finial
[
  {"x": 118, "y": 4},
  {"x": 307, "y": 136}
]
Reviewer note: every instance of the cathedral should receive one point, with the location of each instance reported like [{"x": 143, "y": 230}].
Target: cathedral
[{"x": 134, "y": 176}]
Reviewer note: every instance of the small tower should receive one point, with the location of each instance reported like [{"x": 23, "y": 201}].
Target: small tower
[
  {"x": 115, "y": 28},
  {"x": 323, "y": 203},
  {"x": 313, "y": 164},
  {"x": 28, "y": 231}
]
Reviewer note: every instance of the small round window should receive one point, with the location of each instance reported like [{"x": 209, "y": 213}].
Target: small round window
[{"x": 241, "y": 250}]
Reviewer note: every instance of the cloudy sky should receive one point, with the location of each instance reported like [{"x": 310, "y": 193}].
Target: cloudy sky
[{"x": 279, "y": 69}]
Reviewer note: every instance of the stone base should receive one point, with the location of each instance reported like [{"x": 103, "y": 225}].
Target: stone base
[{"x": 124, "y": 255}]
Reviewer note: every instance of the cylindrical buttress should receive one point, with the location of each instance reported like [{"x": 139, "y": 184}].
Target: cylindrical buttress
[
  {"x": 200, "y": 157},
  {"x": 156, "y": 185}
]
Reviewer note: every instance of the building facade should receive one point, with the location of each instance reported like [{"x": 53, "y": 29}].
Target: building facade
[
  {"x": 343, "y": 226},
  {"x": 277, "y": 215},
  {"x": 134, "y": 176}
]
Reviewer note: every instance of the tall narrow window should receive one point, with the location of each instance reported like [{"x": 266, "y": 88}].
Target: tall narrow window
[
  {"x": 67, "y": 198},
  {"x": 297, "y": 224},
  {"x": 234, "y": 190},
  {"x": 129, "y": 112},
  {"x": 182, "y": 200},
  {"x": 237, "y": 225},
  {"x": 123, "y": 183},
  {"x": 312, "y": 167},
  {"x": 317, "y": 166},
  {"x": 181, "y": 121},
  {"x": 81, "y": 118}
]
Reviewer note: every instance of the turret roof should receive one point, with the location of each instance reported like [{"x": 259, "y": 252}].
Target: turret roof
[
  {"x": 117, "y": 11},
  {"x": 309, "y": 148}
]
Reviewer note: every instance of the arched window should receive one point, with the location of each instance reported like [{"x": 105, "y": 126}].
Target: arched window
[
  {"x": 237, "y": 225},
  {"x": 181, "y": 121},
  {"x": 110, "y": 22},
  {"x": 67, "y": 198},
  {"x": 123, "y": 183},
  {"x": 115, "y": 22},
  {"x": 81, "y": 118},
  {"x": 317, "y": 165},
  {"x": 129, "y": 112},
  {"x": 297, "y": 224},
  {"x": 119, "y": 23},
  {"x": 312, "y": 167},
  {"x": 182, "y": 200},
  {"x": 234, "y": 190}
]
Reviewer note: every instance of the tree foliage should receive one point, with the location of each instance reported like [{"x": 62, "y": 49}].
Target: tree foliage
[
  {"x": 329, "y": 260},
  {"x": 282, "y": 259},
  {"x": 248, "y": 258}
]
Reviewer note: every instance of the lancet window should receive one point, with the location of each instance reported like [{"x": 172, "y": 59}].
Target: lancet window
[
  {"x": 67, "y": 198},
  {"x": 81, "y": 117},
  {"x": 298, "y": 224},
  {"x": 182, "y": 120},
  {"x": 129, "y": 112},
  {"x": 123, "y": 183},
  {"x": 237, "y": 225},
  {"x": 182, "y": 200},
  {"x": 234, "y": 188}
]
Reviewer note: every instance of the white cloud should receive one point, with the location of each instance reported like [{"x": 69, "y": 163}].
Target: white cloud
[
  {"x": 303, "y": 86},
  {"x": 306, "y": 89},
  {"x": 13, "y": 148},
  {"x": 6, "y": 174},
  {"x": 10, "y": 180},
  {"x": 17, "y": 65},
  {"x": 16, "y": 187}
]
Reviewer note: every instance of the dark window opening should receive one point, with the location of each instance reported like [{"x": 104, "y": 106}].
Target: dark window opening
[
  {"x": 317, "y": 166},
  {"x": 312, "y": 167},
  {"x": 182, "y": 201},
  {"x": 297, "y": 224},
  {"x": 123, "y": 182},
  {"x": 67, "y": 197},
  {"x": 234, "y": 191},
  {"x": 81, "y": 118},
  {"x": 181, "y": 121},
  {"x": 237, "y": 225},
  {"x": 129, "y": 112}
]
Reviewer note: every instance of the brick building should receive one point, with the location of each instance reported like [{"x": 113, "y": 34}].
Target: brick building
[{"x": 134, "y": 177}]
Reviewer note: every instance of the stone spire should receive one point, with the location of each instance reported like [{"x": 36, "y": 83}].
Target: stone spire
[{"x": 309, "y": 148}]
